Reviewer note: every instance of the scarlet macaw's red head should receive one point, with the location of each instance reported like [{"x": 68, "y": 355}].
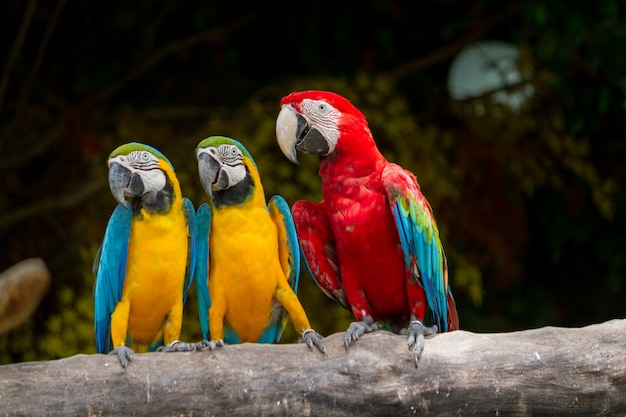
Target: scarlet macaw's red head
[{"x": 315, "y": 122}]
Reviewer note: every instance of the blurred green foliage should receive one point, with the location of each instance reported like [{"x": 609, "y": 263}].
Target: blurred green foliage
[{"x": 531, "y": 204}]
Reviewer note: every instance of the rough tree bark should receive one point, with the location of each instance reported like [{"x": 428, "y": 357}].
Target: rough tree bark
[{"x": 547, "y": 371}]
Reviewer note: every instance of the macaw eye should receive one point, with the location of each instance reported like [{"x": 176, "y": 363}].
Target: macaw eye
[
  {"x": 228, "y": 153},
  {"x": 142, "y": 160},
  {"x": 323, "y": 108}
]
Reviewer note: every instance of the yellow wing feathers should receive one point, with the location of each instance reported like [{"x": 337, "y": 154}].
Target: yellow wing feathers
[{"x": 283, "y": 247}]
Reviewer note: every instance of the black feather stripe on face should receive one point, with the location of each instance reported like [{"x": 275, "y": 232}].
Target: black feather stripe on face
[
  {"x": 235, "y": 195},
  {"x": 155, "y": 202}
]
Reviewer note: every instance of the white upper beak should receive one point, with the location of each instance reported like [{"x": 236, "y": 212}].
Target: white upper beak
[{"x": 286, "y": 127}]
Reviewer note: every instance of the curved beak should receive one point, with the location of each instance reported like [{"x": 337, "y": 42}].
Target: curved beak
[
  {"x": 123, "y": 183},
  {"x": 287, "y": 126},
  {"x": 212, "y": 176},
  {"x": 294, "y": 133}
]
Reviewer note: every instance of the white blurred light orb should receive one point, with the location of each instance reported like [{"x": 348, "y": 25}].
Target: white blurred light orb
[{"x": 488, "y": 66}]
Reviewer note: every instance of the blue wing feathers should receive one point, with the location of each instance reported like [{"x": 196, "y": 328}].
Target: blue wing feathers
[
  {"x": 230, "y": 335},
  {"x": 292, "y": 240},
  {"x": 111, "y": 271},
  {"x": 272, "y": 334},
  {"x": 405, "y": 239},
  {"x": 278, "y": 204},
  {"x": 190, "y": 215},
  {"x": 201, "y": 274},
  {"x": 419, "y": 240}
]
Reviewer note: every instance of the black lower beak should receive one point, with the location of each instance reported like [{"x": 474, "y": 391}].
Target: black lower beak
[{"x": 312, "y": 141}]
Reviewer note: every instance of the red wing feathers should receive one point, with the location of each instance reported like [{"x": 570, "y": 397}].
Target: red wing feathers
[{"x": 318, "y": 247}]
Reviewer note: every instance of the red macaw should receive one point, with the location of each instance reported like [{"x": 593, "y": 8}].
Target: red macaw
[{"x": 372, "y": 243}]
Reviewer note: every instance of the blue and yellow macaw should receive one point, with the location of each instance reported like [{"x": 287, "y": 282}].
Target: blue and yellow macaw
[
  {"x": 249, "y": 252},
  {"x": 145, "y": 265}
]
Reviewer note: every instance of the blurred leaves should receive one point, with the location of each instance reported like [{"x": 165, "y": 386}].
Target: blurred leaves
[{"x": 71, "y": 331}]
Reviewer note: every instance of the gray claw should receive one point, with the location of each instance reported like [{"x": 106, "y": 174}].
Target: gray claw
[
  {"x": 210, "y": 345},
  {"x": 416, "y": 332},
  {"x": 124, "y": 354},
  {"x": 358, "y": 328},
  {"x": 313, "y": 338},
  {"x": 178, "y": 346}
]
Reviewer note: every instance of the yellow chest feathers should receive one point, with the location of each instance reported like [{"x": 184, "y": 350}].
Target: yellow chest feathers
[{"x": 157, "y": 255}]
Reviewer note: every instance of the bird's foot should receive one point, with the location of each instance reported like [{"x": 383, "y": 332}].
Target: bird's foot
[
  {"x": 124, "y": 354},
  {"x": 416, "y": 332},
  {"x": 312, "y": 338},
  {"x": 358, "y": 328},
  {"x": 209, "y": 344},
  {"x": 178, "y": 346}
]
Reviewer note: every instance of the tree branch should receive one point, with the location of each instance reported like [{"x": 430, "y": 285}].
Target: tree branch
[
  {"x": 479, "y": 29},
  {"x": 547, "y": 371},
  {"x": 69, "y": 199},
  {"x": 16, "y": 48},
  {"x": 153, "y": 29},
  {"x": 34, "y": 70},
  {"x": 36, "y": 146},
  {"x": 161, "y": 53}
]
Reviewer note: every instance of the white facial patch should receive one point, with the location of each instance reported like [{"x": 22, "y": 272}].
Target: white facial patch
[
  {"x": 230, "y": 159},
  {"x": 323, "y": 117},
  {"x": 144, "y": 164},
  {"x": 232, "y": 162}
]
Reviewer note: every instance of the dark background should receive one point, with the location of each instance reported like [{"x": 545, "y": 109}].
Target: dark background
[{"x": 530, "y": 203}]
